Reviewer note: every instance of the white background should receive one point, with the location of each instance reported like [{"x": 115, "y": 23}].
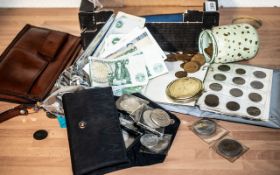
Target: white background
[{"x": 76, "y": 3}]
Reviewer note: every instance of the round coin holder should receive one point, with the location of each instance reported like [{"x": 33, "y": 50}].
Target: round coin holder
[
  {"x": 241, "y": 90},
  {"x": 229, "y": 148},
  {"x": 213, "y": 135}
]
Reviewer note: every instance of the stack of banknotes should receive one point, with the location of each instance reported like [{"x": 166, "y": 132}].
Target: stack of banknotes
[{"x": 127, "y": 58}]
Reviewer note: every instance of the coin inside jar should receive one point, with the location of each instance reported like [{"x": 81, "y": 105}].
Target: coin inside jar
[
  {"x": 160, "y": 118},
  {"x": 149, "y": 140},
  {"x": 211, "y": 100},
  {"x": 230, "y": 148},
  {"x": 186, "y": 88},
  {"x": 205, "y": 127}
]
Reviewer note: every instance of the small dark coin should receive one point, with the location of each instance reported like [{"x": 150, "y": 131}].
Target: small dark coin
[
  {"x": 255, "y": 97},
  {"x": 240, "y": 71},
  {"x": 205, "y": 127},
  {"x": 40, "y": 134},
  {"x": 184, "y": 57},
  {"x": 220, "y": 77},
  {"x": 236, "y": 92},
  {"x": 256, "y": 84},
  {"x": 238, "y": 80},
  {"x": 171, "y": 58},
  {"x": 259, "y": 74},
  {"x": 233, "y": 106},
  {"x": 182, "y": 65},
  {"x": 224, "y": 68},
  {"x": 50, "y": 115},
  {"x": 254, "y": 111},
  {"x": 215, "y": 86},
  {"x": 230, "y": 148},
  {"x": 181, "y": 74},
  {"x": 211, "y": 100}
]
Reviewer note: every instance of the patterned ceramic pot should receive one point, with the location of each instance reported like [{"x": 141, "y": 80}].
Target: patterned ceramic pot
[{"x": 229, "y": 43}]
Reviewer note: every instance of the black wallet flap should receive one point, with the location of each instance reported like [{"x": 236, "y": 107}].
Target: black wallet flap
[
  {"x": 52, "y": 44},
  {"x": 95, "y": 137}
]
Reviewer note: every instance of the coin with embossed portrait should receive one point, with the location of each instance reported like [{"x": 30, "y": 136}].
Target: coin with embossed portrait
[
  {"x": 204, "y": 127},
  {"x": 161, "y": 118}
]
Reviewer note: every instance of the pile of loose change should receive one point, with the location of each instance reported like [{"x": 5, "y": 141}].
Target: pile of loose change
[{"x": 191, "y": 62}]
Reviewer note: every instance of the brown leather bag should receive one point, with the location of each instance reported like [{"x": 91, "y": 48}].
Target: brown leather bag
[{"x": 31, "y": 64}]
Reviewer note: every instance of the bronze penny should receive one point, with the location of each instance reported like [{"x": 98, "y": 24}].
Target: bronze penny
[
  {"x": 254, "y": 111},
  {"x": 259, "y": 74},
  {"x": 182, "y": 57},
  {"x": 191, "y": 67},
  {"x": 171, "y": 58},
  {"x": 230, "y": 148},
  {"x": 255, "y": 97},
  {"x": 181, "y": 74},
  {"x": 215, "y": 86},
  {"x": 199, "y": 58},
  {"x": 238, "y": 80},
  {"x": 256, "y": 84},
  {"x": 224, "y": 68},
  {"x": 211, "y": 100},
  {"x": 240, "y": 71},
  {"x": 236, "y": 92},
  {"x": 233, "y": 106},
  {"x": 209, "y": 50},
  {"x": 220, "y": 77},
  {"x": 182, "y": 65}
]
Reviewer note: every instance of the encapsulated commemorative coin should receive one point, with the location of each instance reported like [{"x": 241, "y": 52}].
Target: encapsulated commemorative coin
[
  {"x": 161, "y": 118},
  {"x": 149, "y": 140},
  {"x": 230, "y": 148},
  {"x": 147, "y": 119},
  {"x": 205, "y": 127}
]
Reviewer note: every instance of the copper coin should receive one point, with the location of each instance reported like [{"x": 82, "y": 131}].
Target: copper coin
[
  {"x": 209, "y": 50},
  {"x": 181, "y": 74},
  {"x": 236, "y": 92},
  {"x": 257, "y": 84},
  {"x": 171, "y": 58},
  {"x": 255, "y": 97},
  {"x": 230, "y": 148},
  {"x": 191, "y": 67},
  {"x": 233, "y": 106},
  {"x": 182, "y": 65},
  {"x": 259, "y": 74},
  {"x": 238, "y": 80},
  {"x": 254, "y": 111},
  {"x": 240, "y": 71},
  {"x": 220, "y": 77},
  {"x": 199, "y": 58},
  {"x": 211, "y": 100},
  {"x": 184, "y": 57},
  {"x": 215, "y": 87},
  {"x": 224, "y": 68}
]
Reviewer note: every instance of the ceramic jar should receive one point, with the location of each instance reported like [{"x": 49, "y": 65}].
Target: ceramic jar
[{"x": 229, "y": 43}]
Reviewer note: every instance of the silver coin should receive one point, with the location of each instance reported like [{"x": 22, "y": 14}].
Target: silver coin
[
  {"x": 125, "y": 135},
  {"x": 162, "y": 144},
  {"x": 160, "y": 118},
  {"x": 205, "y": 127},
  {"x": 149, "y": 140},
  {"x": 129, "y": 104},
  {"x": 147, "y": 119}
]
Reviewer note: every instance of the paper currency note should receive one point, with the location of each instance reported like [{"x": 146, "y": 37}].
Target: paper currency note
[
  {"x": 143, "y": 41},
  {"x": 124, "y": 72},
  {"x": 122, "y": 24}
]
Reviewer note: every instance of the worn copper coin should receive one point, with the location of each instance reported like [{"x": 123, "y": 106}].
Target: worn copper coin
[
  {"x": 238, "y": 80},
  {"x": 215, "y": 86},
  {"x": 182, "y": 65},
  {"x": 254, "y": 111},
  {"x": 181, "y": 74},
  {"x": 220, "y": 77},
  {"x": 40, "y": 134},
  {"x": 259, "y": 74},
  {"x": 233, "y": 106},
  {"x": 255, "y": 97},
  {"x": 191, "y": 67},
  {"x": 236, "y": 92},
  {"x": 256, "y": 84},
  {"x": 211, "y": 100},
  {"x": 230, "y": 148},
  {"x": 209, "y": 50},
  {"x": 199, "y": 58},
  {"x": 205, "y": 127},
  {"x": 224, "y": 68},
  {"x": 171, "y": 58}
]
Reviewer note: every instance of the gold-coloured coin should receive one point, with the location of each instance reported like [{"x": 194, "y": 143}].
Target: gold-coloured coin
[
  {"x": 191, "y": 67},
  {"x": 199, "y": 58},
  {"x": 184, "y": 89}
]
